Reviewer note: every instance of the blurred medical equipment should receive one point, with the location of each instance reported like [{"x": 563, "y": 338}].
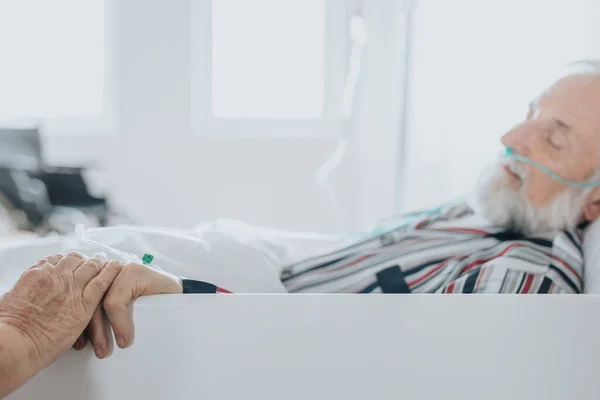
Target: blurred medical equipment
[
  {"x": 358, "y": 37},
  {"x": 510, "y": 153},
  {"x": 35, "y": 196}
]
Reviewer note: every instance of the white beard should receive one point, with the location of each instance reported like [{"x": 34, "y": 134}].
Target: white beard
[{"x": 510, "y": 207}]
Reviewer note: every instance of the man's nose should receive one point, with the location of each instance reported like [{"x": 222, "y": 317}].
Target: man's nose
[{"x": 521, "y": 138}]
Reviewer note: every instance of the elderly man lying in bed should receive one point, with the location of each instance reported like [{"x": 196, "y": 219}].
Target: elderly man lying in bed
[{"x": 521, "y": 233}]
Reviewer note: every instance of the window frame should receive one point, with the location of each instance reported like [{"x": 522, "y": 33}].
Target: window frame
[
  {"x": 102, "y": 125},
  {"x": 205, "y": 123}
]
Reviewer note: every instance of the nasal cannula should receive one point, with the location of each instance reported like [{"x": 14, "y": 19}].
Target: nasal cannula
[{"x": 510, "y": 153}]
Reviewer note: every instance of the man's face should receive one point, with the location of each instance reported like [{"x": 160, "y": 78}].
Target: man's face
[{"x": 561, "y": 132}]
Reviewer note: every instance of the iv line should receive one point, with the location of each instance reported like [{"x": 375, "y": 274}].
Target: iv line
[{"x": 126, "y": 257}]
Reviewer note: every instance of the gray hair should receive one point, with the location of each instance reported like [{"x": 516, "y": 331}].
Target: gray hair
[
  {"x": 576, "y": 67},
  {"x": 580, "y": 67}
]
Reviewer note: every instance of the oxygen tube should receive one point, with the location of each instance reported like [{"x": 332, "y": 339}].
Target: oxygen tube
[{"x": 510, "y": 154}]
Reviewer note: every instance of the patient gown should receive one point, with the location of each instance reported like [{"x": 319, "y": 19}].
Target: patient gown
[{"x": 451, "y": 250}]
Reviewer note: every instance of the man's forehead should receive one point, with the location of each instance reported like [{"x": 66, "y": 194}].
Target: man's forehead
[
  {"x": 583, "y": 89},
  {"x": 578, "y": 95}
]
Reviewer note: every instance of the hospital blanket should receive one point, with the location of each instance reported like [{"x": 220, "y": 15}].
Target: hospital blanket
[{"x": 441, "y": 253}]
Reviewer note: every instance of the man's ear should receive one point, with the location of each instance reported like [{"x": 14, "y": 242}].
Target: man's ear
[{"x": 591, "y": 207}]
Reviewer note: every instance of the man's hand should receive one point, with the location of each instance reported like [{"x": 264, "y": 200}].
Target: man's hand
[
  {"x": 53, "y": 302},
  {"x": 133, "y": 281}
]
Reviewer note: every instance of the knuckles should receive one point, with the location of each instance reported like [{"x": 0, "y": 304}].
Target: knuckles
[
  {"x": 33, "y": 273},
  {"x": 38, "y": 279},
  {"x": 97, "y": 286},
  {"x": 49, "y": 259},
  {"x": 94, "y": 264},
  {"x": 125, "y": 281},
  {"x": 110, "y": 303},
  {"x": 134, "y": 269}
]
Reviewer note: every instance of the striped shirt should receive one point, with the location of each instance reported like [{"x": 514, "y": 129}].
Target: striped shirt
[{"x": 433, "y": 254}]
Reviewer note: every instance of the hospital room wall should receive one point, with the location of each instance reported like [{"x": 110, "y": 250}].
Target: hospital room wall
[
  {"x": 177, "y": 176},
  {"x": 471, "y": 78},
  {"x": 474, "y": 66}
]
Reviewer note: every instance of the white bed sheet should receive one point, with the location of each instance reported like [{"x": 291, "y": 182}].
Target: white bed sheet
[
  {"x": 232, "y": 254},
  {"x": 228, "y": 253}
]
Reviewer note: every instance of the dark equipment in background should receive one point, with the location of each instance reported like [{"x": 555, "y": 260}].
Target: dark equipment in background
[{"x": 38, "y": 197}]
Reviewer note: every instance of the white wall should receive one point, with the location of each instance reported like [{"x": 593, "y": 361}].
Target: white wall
[
  {"x": 475, "y": 66},
  {"x": 176, "y": 177}
]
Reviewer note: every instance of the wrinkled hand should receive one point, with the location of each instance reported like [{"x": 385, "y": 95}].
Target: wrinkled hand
[
  {"x": 53, "y": 301},
  {"x": 133, "y": 281}
]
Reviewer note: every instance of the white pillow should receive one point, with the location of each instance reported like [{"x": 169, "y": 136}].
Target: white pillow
[{"x": 591, "y": 256}]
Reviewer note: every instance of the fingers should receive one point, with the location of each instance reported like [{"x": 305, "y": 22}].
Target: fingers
[
  {"x": 51, "y": 258},
  {"x": 88, "y": 270},
  {"x": 70, "y": 262},
  {"x": 80, "y": 342},
  {"x": 97, "y": 334},
  {"x": 115, "y": 304},
  {"x": 97, "y": 287},
  {"x": 134, "y": 280}
]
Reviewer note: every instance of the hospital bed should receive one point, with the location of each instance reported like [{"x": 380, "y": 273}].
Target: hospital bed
[{"x": 276, "y": 346}]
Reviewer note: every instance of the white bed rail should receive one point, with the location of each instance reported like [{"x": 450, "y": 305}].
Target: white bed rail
[{"x": 343, "y": 347}]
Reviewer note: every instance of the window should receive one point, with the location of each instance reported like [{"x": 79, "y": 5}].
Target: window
[
  {"x": 53, "y": 67},
  {"x": 253, "y": 70},
  {"x": 268, "y": 67}
]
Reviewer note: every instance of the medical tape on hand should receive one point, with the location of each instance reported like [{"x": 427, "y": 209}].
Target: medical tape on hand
[{"x": 510, "y": 153}]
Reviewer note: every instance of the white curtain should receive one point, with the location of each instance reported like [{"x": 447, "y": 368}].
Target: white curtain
[{"x": 475, "y": 66}]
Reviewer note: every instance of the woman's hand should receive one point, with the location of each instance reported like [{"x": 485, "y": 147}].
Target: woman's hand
[
  {"x": 133, "y": 281},
  {"x": 53, "y": 302}
]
